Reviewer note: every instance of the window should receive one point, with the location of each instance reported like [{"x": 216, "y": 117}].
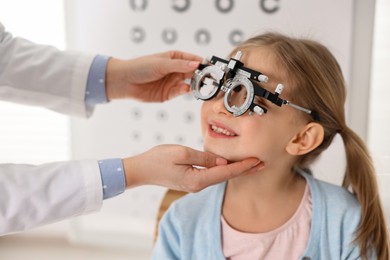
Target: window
[
  {"x": 30, "y": 134},
  {"x": 379, "y": 114}
]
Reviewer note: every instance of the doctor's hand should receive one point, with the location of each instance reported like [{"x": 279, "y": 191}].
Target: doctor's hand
[
  {"x": 172, "y": 166},
  {"x": 153, "y": 78}
]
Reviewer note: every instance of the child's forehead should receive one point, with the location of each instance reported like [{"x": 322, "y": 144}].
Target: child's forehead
[
  {"x": 261, "y": 59},
  {"x": 264, "y": 60}
]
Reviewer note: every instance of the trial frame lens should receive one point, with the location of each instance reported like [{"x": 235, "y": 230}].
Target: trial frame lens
[
  {"x": 207, "y": 82},
  {"x": 239, "y": 95}
]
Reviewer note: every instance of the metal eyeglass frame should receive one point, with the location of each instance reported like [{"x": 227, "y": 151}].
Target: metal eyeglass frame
[{"x": 220, "y": 74}]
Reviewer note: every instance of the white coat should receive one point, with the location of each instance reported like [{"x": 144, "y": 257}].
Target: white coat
[{"x": 34, "y": 195}]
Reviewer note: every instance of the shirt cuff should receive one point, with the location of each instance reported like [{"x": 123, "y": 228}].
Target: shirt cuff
[
  {"x": 96, "y": 82},
  {"x": 113, "y": 177}
]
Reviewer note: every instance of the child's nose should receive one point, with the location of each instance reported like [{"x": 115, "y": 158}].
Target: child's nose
[{"x": 219, "y": 106}]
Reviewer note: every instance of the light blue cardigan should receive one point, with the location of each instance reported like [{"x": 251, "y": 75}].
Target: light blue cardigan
[{"x": 191, "y": 228}]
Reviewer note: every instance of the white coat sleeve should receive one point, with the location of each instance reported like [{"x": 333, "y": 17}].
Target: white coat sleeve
[
  {"x": 37, "y": 195},
  {"x": 41, "y": 75}
]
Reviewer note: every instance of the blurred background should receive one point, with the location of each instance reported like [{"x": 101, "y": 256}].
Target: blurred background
[{"x": 357, "y": 32}]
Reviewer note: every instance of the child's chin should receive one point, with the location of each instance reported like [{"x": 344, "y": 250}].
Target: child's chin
[
  {"x": 224, "y": 154},
  {"x": 218, "y": 152}
]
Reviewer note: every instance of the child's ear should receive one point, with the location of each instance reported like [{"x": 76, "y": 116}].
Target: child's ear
[{"x": 306, "y": 140}]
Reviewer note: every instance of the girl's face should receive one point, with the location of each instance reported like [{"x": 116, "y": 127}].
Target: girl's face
[{"x": 264, "y": 137}]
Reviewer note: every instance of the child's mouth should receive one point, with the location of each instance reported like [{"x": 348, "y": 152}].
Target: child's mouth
[{"x": 221, "y": 130}]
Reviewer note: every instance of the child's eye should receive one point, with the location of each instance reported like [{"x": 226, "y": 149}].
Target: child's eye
[
  {"x": 237, "y": 89},
  {"x": 237, "y": 96}
]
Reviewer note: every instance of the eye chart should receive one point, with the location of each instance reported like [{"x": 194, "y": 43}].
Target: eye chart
[{"x": 131, "y": 28}]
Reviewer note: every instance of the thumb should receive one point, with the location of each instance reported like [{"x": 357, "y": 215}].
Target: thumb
[
  {"x": 203, "y": 159},
  {"x": 222, "y": 173}
]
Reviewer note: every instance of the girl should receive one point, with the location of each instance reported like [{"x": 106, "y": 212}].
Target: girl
[{"x": 281, "y": 211}]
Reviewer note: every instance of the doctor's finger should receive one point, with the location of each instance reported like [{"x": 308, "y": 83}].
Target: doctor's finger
[
  {"x": 181, "y": 55},
  {"x": 179, "y": 66}
]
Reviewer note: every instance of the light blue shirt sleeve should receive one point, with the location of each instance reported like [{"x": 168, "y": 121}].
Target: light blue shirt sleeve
[
  {"x": 111, "y": 170},
  {"x": 96, "y": 82},
  {"x": 113, "y": 177}
]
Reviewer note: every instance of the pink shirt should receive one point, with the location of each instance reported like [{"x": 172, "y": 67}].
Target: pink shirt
[{"x": 288, "y": 241}]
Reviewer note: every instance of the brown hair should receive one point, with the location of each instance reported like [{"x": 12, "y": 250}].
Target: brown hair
[{"x": 313, "y": 69}]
